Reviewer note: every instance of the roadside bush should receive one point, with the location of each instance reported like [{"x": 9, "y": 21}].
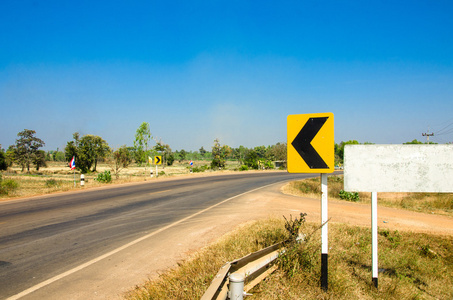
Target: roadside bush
[
  {"x": 7, "y": 186},
  {"x": 348, "y": 196},
  {"x": 243, "y": 168},
  {"x": 161, "y": 173},
  {"x": 268, "y": 165},
  {"x": 105, "y": 177},
  {"x": 52, "y": 183},
  {"x": 301, "y": 252},
  {"x": 200, "y": 169}
]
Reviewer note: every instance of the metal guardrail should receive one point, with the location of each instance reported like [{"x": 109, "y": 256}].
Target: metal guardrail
[{"x": 253, "y": 267}]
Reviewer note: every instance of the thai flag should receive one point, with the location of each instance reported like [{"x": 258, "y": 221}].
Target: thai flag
[
  {"x": 191, "y": 163},
  {"x": 72, "y": 163}
]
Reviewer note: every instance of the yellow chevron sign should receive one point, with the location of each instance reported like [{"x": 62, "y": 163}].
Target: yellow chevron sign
[
  {"x": 311, "y": 143},
  {"x": 157, "y": 160}
]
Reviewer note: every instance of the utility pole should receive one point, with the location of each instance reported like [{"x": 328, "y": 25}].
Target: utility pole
[{"x": 427, "y": 135}]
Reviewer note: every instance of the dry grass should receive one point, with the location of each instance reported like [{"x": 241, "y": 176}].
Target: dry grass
[
  {"x": 192, "y": 277},
  {"x": 57, "y": 177},
  {"x": 436, "y": 203},
  {"x": 414, "y": 266}
]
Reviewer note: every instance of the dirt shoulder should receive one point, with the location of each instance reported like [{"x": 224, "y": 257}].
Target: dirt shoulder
[{"x": 360, "y": 214}]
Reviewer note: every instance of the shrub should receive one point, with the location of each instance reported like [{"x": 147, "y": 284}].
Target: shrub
[
  {"x": 243, "y": 168},
  {"x": 52, "y": 183},
  {"x": 298, "y": 256},
  {"x": 349, "y": 196},
  {"x": 200, "y": 169},
  {"x": 105, "y": 177},
  {"x": 8, "y": 186}
]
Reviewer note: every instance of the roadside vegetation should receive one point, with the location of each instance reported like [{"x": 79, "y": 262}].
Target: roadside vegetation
[
  {"x": 57, "y": 177},
  {"x": 413, "y": 266},
  {"x": 437, "y": 203},
  {"x": 27, "y": 170}
]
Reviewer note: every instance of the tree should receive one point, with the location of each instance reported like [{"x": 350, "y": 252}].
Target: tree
[
  {"x": 240, "y": 153},
  {"x": 26, "y": 148},
  {"x": 260, "y": 151},
  {"x": 40, "y": 159},
  {"x": 10, "y": 156},
  {"x": 121, "y": 159},
  {"x": 3, "y": 164},
  {"x": 219, "y": 154},
  {"x": 278, "y": 152},
  {"x": 141, "y": 142},
  {"x": 100, "y": 149},
  {"x": 414, "y": 142},
  {"x": 91, "y": 149},
  {"x": 182, "y": 155},
  {"x": 165, "y": 151},
  {"x": 87, "y": 151},
  {"x": 58, "y": 156},
  {"x": 252, "y": 159},
  {"x": 202, "y": 151},
  {"x": 72, "y": 148}
]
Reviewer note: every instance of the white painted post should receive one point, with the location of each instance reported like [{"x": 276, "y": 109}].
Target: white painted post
[
  {"x": 236, "y": 286},
  {"x": 82, "y": 180},
  {"x": 324, "y": 233},
  {"x": 374, "y": 238},
  {"x": 157, "y": 174}
]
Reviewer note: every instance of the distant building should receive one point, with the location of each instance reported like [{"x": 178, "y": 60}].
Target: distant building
[{"x": 280, "y": 164}]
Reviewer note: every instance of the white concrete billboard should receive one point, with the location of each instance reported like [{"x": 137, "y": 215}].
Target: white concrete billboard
[{"x": 398, "y": 168}]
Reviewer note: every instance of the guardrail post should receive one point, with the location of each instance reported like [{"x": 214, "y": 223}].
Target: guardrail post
[{"x": 236, "y": 286}]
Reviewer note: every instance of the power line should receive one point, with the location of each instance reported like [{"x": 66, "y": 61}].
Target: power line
[{"x": 448, "y": 131}]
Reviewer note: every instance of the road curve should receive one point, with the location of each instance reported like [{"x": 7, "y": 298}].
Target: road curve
[{"x": 44, "y": 238}]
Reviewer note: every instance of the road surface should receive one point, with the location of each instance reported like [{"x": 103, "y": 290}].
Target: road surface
[{"x": 44, "y": 240}]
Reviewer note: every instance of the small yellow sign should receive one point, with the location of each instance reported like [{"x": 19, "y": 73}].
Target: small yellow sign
[
  {"x": 157, "y": 160},
  {"x": 311, "y": 144}
]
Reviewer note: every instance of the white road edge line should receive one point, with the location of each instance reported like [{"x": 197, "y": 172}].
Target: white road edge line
[{"x": 93, "y": 261}]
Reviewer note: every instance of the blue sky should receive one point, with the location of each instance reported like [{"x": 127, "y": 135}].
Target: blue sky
[{"x": 233, "y": 70}]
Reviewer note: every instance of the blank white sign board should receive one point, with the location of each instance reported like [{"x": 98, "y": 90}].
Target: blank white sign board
[{"x": 398, "y": 168}]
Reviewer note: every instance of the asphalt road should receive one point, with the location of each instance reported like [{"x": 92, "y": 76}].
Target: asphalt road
[{"x": 44, "y": 237}]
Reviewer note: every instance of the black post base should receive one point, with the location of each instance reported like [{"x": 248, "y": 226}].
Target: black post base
[
  {"x": 375, "y": 282},
  {"x": 324, "y": 271}
]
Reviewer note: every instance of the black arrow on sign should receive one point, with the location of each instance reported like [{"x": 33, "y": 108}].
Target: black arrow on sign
[
  {"x": 157, "y": 160},
  {"x": 302, "y": 143}
]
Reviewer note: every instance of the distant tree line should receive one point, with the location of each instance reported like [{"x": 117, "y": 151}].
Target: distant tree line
[{"x": 89, "y": 150}]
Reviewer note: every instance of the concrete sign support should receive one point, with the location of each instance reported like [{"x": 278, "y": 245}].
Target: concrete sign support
[{"x": 311, "y": 150}]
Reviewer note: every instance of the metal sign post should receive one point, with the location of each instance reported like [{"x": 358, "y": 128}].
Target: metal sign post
[
  {"x": 311, "y": 150},
  {"x": 374, "y": 238},
  {"x": 324, "y": 233}
]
